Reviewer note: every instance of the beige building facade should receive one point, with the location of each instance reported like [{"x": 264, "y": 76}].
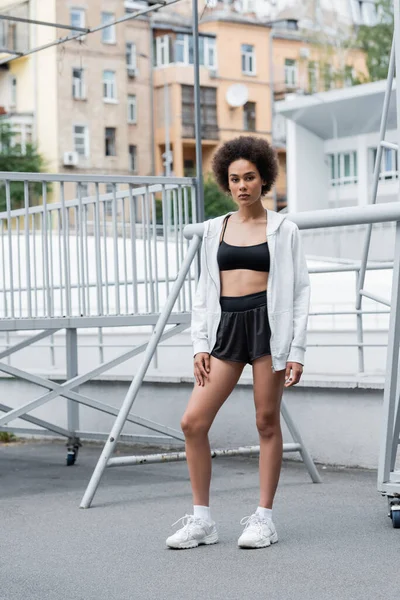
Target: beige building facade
[{"x": 115, "y": 102}]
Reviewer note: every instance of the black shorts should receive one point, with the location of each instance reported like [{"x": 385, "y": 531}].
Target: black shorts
[{"x": 243, "y": 332}]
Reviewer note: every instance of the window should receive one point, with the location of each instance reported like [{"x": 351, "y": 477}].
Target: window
[
  {"x": 131, "y": 62},
  {"x": 76, "y": 18},
  {"x": 180, "y": 49},
  {"x": 249, "y": 116},
  {"x": 133, "y": 158},
  {"x": 81, "y": 141},
  {"x": 13, "y": 91},
  {"x": 290, "y": 73},
  {"x": 248, "y": 60},
  {"x": 78, "y": 84},
  {"x": 210, "y": 52},
  {"x": 110, "y": 138},
  {"x": 132, "y": 109},
  {"x": 109, "y": 85},
  {"x": 108, "y": 34},
  {"x": 343, "y": 168},
  {"x": 162, "y": 50},
  {"x": 389, "y": 168},
  {"x": 208, "y": 110},
  {"x": 312, "y": 77}
]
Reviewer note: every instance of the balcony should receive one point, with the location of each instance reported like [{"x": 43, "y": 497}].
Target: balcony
[{"x": 208, "y": 132}]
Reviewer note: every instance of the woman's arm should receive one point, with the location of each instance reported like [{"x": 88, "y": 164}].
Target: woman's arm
[
  {"x": 301, "y": 300},
  {"x": 199, "y": 310}
]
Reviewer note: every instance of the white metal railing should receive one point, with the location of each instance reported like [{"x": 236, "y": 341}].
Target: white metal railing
[
  {"x": 105, "y": 254},
  {"x": 98, "y": 255}
]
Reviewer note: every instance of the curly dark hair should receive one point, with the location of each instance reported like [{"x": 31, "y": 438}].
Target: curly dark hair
[{"x": 255, "y": 150}]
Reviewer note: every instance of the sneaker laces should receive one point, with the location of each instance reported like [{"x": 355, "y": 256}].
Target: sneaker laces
[
  {"x": 253, "y": 519},
  {"x": 188, "y": 521}
]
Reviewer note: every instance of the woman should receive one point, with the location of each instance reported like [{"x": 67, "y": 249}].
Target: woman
[{"x": 251, "y": 306}]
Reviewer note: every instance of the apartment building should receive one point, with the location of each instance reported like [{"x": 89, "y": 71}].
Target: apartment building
[
  {"x": 122, "y": 100},
  {"x": 85, "y": 102}
]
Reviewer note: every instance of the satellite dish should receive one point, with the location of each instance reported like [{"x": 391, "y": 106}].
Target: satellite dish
[{"x": 237, "y": 95}]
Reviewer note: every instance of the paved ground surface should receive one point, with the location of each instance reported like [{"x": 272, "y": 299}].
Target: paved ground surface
[{"x": 335, "y": 540}]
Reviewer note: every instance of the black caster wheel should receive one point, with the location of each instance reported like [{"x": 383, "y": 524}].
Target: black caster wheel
[
  {"x": 71, "y": 458},
  {"x": 395, "y": 516}
]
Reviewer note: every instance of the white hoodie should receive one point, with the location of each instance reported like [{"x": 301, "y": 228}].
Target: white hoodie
[{"x": 288, "y": 291}]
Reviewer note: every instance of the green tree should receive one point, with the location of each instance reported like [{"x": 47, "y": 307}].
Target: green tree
[
  {"x": 215, "y": 201},
  {"x": 376, "y": 41},
  {"x": 13, "y": 157}
]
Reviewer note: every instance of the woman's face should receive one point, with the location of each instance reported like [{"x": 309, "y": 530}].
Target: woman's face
[{"x": 245, "y": 182}]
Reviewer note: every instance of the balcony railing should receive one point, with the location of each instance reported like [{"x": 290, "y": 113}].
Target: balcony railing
[{"x": 208, "y": 132}]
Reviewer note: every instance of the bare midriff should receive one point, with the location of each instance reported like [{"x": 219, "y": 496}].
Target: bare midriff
[{"x": 241, "y": 282}]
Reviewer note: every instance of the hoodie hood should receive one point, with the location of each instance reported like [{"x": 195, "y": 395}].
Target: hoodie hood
[{"x": 274, "y": 221}]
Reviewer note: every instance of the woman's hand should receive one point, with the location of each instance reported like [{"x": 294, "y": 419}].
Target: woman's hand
[
  {"x": 201, "y": 367},
  {"x": 294, "y": 377}
]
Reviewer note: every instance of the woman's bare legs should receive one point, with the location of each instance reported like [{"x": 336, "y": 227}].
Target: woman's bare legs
[
  {"x": 268, "y": 389},
  {"x": 202, "y": 408}
]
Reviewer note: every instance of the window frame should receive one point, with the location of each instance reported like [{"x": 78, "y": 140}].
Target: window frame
[
  {"x": 85, "y": 136},
  {"x": 162, "y": 50},
  {"x": 135, "y": 158},
  {"x": 291, "y": 72},
  {"x": 82, "y": 85},
  {"x": 82, "y": 17},
  {"x": 128, "y": 54},
  {"x": 246, "y": 116},
  {"x": 110, "y": 84},
  {"x": 132, "y": 103},
  {"x": 114, "y": 130},
  {"x": 248, "y": 56},
  {"x": 108, "y": 34},
  {"x": 340, "y": 179},
  {"x": 385, "y": 175}
]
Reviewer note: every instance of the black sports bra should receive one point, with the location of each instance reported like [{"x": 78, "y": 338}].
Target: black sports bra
[{"x": 254, "y": 258}]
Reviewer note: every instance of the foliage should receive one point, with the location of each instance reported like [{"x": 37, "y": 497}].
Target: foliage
[
  {"x": 376, "y": 41},
  {"x": 6, "y": 437},
  {"x": 215, "y": 201},
  {"x": 15, "y": 158}
]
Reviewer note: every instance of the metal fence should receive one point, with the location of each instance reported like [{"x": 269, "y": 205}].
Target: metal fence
[
  {"x": 110, "y": 253},
  {"x": 113, "y": 252}
]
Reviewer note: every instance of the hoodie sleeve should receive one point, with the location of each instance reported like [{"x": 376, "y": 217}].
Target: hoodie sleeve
[
  {"x": 198, "y": 328},
  {"x": 301, "y": 300}
]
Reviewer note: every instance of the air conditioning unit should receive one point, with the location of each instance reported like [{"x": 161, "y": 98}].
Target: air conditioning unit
[
  {"x": 132, "y": 71},
  {"x": 70, "y": 159},
  {"x": 213, "y": 73},
  {"x": 304, "y": 52}
]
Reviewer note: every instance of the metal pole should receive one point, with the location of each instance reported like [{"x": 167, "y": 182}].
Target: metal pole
[
  {"x": 72, "y": 371},
  {"x": 167, "y": 124},
  {"x": 153, "y": 157},
  {"x": 197, "y": 108},
  {"x": 272, "y": 101},
  {"x": 138, "y": 379}
]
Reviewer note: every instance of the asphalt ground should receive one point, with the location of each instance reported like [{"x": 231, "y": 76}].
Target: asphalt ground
[{"x": 335, "y": 539}]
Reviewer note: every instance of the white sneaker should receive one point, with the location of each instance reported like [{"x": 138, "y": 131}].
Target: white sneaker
[
  {"x": 258, "y": 532},
  {"x": 193, "y": 533}
]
